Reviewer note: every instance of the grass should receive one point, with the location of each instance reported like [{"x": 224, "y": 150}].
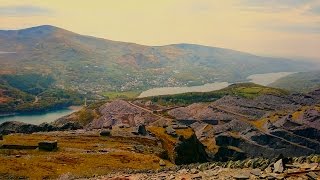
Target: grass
[
  {"x": 299, "y": 82},
  {"x": 273, "y": 117},
  {"x": 111, "y": 95},
  {"x": 78, "y": 155}
]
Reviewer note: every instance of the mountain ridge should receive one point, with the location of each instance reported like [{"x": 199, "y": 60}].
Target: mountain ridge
[{"x": 90, "y": 64}]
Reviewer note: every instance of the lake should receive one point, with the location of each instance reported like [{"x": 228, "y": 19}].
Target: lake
[
  {"x": 178, "y": 90},
  {"x": 262, "y": 79},
  {"x": 268, "y": 78},
  {"x": 39, "y": 118}
]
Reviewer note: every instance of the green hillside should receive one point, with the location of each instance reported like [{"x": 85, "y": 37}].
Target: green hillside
[
  {"x": 299, "y": 82},
  {"x": 247, "y": 90},
  {"x": 33, "y": 93}
]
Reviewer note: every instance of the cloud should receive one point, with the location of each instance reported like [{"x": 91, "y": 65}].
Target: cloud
[
  {"x": 24, "y": 10},
  {"x": 294, "y": 28},
  {"x": 315, "y": 10},
  {"x": 275, "y": 5}
]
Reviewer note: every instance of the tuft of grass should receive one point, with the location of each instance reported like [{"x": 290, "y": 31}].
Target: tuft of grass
[{"x": 272, "y": 117}]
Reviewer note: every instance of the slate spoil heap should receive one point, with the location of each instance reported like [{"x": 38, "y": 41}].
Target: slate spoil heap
[{"x": 258, "y": 168}]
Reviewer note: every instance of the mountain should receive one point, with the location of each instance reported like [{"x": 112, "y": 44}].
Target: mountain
[
  {"x": 299, "y": 82},
  {"x": 90, "y": 64}
]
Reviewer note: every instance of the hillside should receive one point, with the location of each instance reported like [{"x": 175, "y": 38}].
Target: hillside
[
  {"x": 299, "y": 82},
  {"x": 247, "y": 90},
  {"x": 30, "y": 93},
  {"x": 95, "y": 65}
]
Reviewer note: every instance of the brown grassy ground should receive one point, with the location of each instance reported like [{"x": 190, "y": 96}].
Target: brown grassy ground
[{"x": 79, "y": 155}]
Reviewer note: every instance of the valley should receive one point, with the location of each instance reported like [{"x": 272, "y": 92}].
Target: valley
[
  {"x": 179, "y": 110},
  {"x": 159, "y": 90}
]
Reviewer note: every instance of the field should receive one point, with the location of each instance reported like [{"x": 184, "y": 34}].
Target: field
[
  {"x": 78, "y": 155},
  {"x": 111, "y": 95}
]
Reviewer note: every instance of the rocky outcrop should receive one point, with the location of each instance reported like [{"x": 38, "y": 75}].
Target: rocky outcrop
[
  {"x": 268, "y": 125},
  {"x": 183, "y": 147},
  {"x": 20, "y": 127},
  {"x": 189, "y": 150}
]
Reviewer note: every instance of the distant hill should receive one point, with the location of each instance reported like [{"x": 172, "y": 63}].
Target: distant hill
[
  {"x": 245, "y": 90},
  {"x": 32, "y": 93},
  {"x": 299, "y": 82},
  {"x": 90, "y": 64}
]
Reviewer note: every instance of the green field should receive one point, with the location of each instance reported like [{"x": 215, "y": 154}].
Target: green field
[{"x": 111, "y": 95}]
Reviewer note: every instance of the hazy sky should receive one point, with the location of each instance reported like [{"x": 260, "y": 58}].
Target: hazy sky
[{"x": 288, "y": 28}]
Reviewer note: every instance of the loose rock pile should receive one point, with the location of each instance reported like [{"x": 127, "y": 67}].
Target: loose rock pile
[{"x": 259, "y": 168}]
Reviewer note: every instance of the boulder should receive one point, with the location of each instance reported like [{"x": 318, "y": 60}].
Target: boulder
[
  {"x": 139, "y": 130},
  {"x": 312, "y": 176},
  {"x": 194, "y": 171},
  {"x": 171, "y": 131},
  {"x": 105, "y": 133},
  {"x": 241, "y": 176},
  {"x": 48, "y": 145},
  {"x": 278, "y": 166},
  {"x": 256, "y": 172},
  {"x": 142, "y": 130}
]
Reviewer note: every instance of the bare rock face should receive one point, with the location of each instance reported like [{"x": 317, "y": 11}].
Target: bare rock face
[
  {"x": 268, "y": 125},
  {"x": 20, "y": 127},
  {"x": 184, "y": 148}
]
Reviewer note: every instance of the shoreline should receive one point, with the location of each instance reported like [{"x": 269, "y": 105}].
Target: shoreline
[{"x": 74, "y": 108}]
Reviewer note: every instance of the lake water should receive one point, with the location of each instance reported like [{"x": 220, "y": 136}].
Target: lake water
[
  {"x": 178, "y": 90},
  {"x": 39, "y": 118},
  {"x": 266, "y": 79},
  {"x": 262, "y": 79}
]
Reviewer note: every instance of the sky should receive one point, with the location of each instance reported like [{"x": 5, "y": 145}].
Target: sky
[{"x": 282, "y": 28}]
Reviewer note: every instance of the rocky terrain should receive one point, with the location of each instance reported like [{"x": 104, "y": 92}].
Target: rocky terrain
[
  {"x": 296, "y": 168},
  {"x": 247, "y": 123}
]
